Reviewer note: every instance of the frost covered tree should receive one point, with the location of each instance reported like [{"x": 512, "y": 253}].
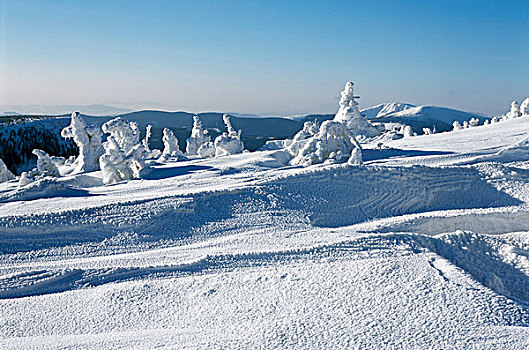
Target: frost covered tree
[
  {"x": 5, "y": 174},
  {"x": 427, "y": 131},
  {"x": 46, "y": 166},
  {"x": 150, "y": 154},
  {"x": 466, "y": 125},
  {"x": 302, "y": 137},
  {"x": 407, "y": 131},
  {"x": 199, "y": 136},
  {"x": 171, "y": 149},
  {"x": 515, "y": 110},
  {"x": 229, "y": 142},
  {"x": 207, "y": 150},
  {"x": 473, "y": 122},
  {"x": 524, "y": 108},
  {"x": 333, "y": 142},
  {"x": 456, "y": 125},
  {"x": 124, "y": 156},
  {"x": 349, "y": 114},
  {"x": 88, "y": 140}
]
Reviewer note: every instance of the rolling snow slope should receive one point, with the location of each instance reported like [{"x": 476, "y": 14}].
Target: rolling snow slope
[{"x": 424, "y": 246}]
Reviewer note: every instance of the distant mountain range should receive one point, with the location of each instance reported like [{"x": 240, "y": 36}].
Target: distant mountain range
[{"x": 95, "y": 109}]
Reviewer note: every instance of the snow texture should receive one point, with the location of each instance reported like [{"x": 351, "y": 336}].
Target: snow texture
[
  {"x": 199, "y": 136},
  {"x": 88, "y": 141},
  {"x": 423, "y": 246}
]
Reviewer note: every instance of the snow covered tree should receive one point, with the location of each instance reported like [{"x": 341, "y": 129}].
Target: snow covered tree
[
  {"x": 150, "y": 154},
  {"x": 349, "y": 114},
  {"x": 456, "y": 126},
  {"x": 229, "y": 142},
  {"x": 300, "y": 139},
  {"x": 333, "y": 142},
  {"x": 466, "y": 125},
  {"x": 207, "y": 150},
  {"x": 199, "y": 136},
  {"x": 88, "y": 141},
  {"x": 356, "y": 157},
  {"x": 407, "y": 131},
  {"x": 124, "y": 156},
  {"x": 170, "y": 146},
  {"x": 473, "y": 122},
  {"x": 5, "y": 174},
  {"x": 524, "y": 108},
  {"x": 46, "y": 166},
  {"x": 427, "y": 131},
  {"x": 515, "y": 110}
]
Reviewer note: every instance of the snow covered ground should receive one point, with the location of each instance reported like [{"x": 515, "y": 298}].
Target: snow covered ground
[{"x": 426, "y": 245}]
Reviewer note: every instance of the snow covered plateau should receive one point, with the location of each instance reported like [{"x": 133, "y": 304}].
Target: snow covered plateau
[{"x": 414, "y": 242}]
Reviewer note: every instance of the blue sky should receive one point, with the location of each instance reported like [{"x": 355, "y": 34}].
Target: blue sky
[{"x": 272, "y": 57}]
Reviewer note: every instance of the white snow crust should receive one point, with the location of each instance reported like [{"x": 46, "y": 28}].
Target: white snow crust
[{"x": 413, "y": 243}]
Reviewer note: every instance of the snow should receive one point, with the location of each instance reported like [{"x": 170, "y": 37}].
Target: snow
[
  {"x": 170, "y": 146},
  {"x": 421, "y": 242},
  {"x": 350, "y": 115},
  {"x": 88, "y": 141},
  {"x": 124, "y": 156},
  {"x": 5, "y": 174},
  {"x": 199, "y": 136}
]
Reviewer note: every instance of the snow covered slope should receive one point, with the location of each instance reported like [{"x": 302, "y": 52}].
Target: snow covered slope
[
  {"x": 384, "y": 109},
  {"x": 424, "y": 246},
  {"x": 429, "y": 117}
]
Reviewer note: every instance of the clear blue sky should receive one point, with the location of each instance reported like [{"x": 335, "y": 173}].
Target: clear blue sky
[{"x": 264, "y": 56}]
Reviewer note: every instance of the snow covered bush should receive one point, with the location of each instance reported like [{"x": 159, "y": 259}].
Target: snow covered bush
[
  {"x": 199, "y": 136},
  {"x": 47, "y": 166},
  {"x": 456, "y": 126},
  {"x": 229, "y": 142},
  {"x": 207, "y": 150},
  {"x": 124, "y": 156},
  {"x": 466, "y": 125},
  {"x": 524, "y": 108},
  {"x": 302, "y": 137},
  {"x": 427, "y": 131},
  {"x": 5, "y": 174},
  {"x": 495, "y": 119},
  {"x": 356, "y": 157},
  {"x": 332, "y": 143},
  {"x": 473, "y": 122},
  {"x": 171, "y": 149},
  {"x": 349, "y": 114},
  {"x": 88, "y": 140}
]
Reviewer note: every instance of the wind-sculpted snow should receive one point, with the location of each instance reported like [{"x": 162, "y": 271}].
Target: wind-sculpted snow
[{"x": 247, "y": 251}]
